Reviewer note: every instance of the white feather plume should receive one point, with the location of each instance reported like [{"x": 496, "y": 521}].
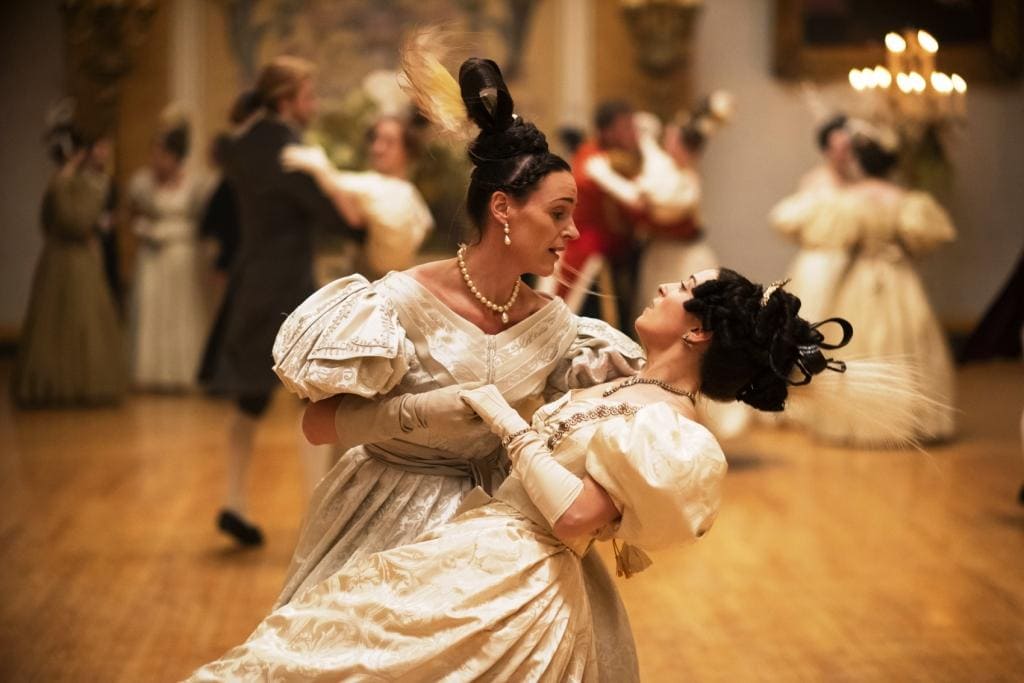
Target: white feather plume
[{"x": 880, "y": 400}]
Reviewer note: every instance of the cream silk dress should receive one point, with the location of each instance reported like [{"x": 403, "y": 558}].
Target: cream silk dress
[
  {"x": 857, "y": 263},
  {"x": 394, "y": 336},
  {"x": 493, "y": 595},
  {"x": 397, "y": 218},
  {"x": 170, "y": 316}
]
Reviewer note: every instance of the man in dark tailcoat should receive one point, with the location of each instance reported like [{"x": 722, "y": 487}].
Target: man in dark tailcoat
[{"x": 273, "y": 270}]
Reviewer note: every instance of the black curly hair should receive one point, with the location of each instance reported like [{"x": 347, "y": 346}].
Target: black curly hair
[
  {"x": 755, "y": 349},
  {"x": 826, "y": 129},
  {"x": 872, "y": 157},
  {"x": 509, "y": 155},
  {"x": 177, "y": 141}
]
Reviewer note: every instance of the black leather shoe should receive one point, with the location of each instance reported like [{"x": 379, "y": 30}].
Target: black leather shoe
[{"x": 233, "y": 525}]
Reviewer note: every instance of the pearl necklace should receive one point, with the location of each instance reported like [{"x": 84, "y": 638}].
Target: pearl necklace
[
  {"x": 503, "y": 310},
  {"x": 637, "y": 379}
]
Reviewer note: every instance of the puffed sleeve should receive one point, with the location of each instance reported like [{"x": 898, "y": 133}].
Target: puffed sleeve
[
  {"x": 344, "y": 339},
  {"x": 664, "y": 473},
  {"x": 923, "y": 223},
  {"x": 818, "y": 219},
  {"x": 791, "y": 214},
  {"x": 599, "y": 353}
]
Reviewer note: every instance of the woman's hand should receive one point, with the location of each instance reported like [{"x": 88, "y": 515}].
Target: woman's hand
[
  {"x": 489, "y": 404},
  {"x": 306, "y": 158}
]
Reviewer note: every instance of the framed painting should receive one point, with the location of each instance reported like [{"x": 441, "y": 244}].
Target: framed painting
[{"x": 823, "y": 39}]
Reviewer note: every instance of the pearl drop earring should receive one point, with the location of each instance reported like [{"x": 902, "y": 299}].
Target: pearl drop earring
[{"x": 508, "y": 239}]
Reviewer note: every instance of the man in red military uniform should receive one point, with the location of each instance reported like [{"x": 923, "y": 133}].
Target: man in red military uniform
[{"x": 609, "y": 205}]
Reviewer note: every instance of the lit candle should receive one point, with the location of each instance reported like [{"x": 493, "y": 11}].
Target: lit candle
[
  {"x": 917, "y": 82},
  {"x": 856, "y": 79},
  {"x": 868, "y": 78},
  {"x": 942, "y": 83},
  {"x": 959, "y": 84},
  {"x": 903, "y": 82},
  {"x": 894, "y": 42},
  {"x": 927, "y": 42},
  {"x": 882, "y": 76}
]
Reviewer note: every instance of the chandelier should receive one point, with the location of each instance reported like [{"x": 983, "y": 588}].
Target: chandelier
[{"x": 913, "y": 89}]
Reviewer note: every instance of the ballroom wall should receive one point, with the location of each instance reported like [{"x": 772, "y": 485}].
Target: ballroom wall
[
  {"x": 31, "y": 76},
  {"x": 758, "y": 159},
  {"x": 751, "y": 164}
]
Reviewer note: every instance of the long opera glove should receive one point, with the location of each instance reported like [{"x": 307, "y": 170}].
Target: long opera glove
[
  {"x": 359, "y": 420},
  {"x": 551, "y": 487}
]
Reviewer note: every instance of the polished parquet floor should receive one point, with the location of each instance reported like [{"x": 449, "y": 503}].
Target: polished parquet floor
[{"x": 825, "y": 564}]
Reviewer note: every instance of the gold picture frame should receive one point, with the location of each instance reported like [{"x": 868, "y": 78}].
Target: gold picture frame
[{"x": 995, "y": 54}]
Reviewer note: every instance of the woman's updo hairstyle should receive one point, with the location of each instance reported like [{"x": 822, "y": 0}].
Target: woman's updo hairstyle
[
  {"x": 758, "y": 344},
  {"x": 508, "y": 154},
  {"x": 875, "y": 146}
]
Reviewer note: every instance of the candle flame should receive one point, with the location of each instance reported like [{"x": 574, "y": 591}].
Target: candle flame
[
  {"x": 894, "y": 42},
  {"x": 959, "y": 84},
  {"x": 856, "y": 79},
  {"x": 882, "y": 76},
  {"x": 927, "y": 42}
]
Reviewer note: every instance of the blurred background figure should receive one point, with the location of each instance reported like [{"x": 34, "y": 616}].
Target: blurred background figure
[
  {"x": 273, "y": 271},
  {"x": 102, "y": 155},
  {"x": 671, "y": 184},
  {"x": 837, "y": 165},
  {"x": 608, "y": 205},
  {"x": 816, "y": 269},
  {"x": 381, "y": 201},
  {"x": 169, "y": 308},
  {"x": 71, "y": 347},
  {"x": 880, "y": 227},
  {"x": 219, "y": 222}
]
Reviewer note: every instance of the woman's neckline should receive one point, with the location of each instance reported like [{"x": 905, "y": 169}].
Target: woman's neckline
[{"x": 468, "y": 324}]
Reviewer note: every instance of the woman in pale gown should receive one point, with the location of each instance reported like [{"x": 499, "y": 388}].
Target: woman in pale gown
[
  {"x": 384, "y": 360},
  {"x": 817, "y": 267},
  {"x": 381, "y": 201},
  {"x": 671, "y": 184},
  {"x": 169, "y": 308},
  {"x": 879, "y": 228},
  {"x": 499, "y": 592}
]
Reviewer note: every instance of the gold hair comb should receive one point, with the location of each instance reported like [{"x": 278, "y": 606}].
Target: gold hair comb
[{"x": 770, "y": 289}]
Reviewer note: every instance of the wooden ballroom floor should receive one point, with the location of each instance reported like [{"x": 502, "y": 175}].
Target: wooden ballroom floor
[{"x": 825, "y": 564}]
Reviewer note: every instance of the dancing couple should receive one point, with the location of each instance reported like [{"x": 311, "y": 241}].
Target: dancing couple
[{"x": 417, "y": 562}]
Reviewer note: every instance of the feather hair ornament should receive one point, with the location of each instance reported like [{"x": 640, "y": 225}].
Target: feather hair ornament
[
  {"x": 431, "y": 86},
  {"x": 881, "y": 397}
]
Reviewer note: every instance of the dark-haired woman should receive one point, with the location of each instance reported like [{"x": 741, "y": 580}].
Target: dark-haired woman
[
  {"x": 381, "y": 201},
  {"x": 384, "y": 360},
  {"x": 170, "y": 311},
  {"x": 71, "y": 351},
  {"x": 877, "y": 228},
  {"x": 499, "y": 593}
]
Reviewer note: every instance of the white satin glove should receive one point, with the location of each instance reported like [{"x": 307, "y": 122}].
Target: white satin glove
[
  {"x": 307, "y": 158},
  {"x": 551, "y": 487},
  {"x": 489, "y": 404},
  {"x": 359, "y": 420}
]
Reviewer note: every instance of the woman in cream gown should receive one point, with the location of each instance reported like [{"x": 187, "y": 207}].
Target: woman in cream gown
[
  {"x": 499, "y": 593},
  {"x": 367, "y": 345},
  {"x": 816, "y": 269},
  {"x": 873, "y": 229},
  {"x": 170, "y": 311},
  {"x": 381, "y": 201}
]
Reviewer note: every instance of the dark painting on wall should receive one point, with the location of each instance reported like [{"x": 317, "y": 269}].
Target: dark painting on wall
[{"x": 824, "y": 39}]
